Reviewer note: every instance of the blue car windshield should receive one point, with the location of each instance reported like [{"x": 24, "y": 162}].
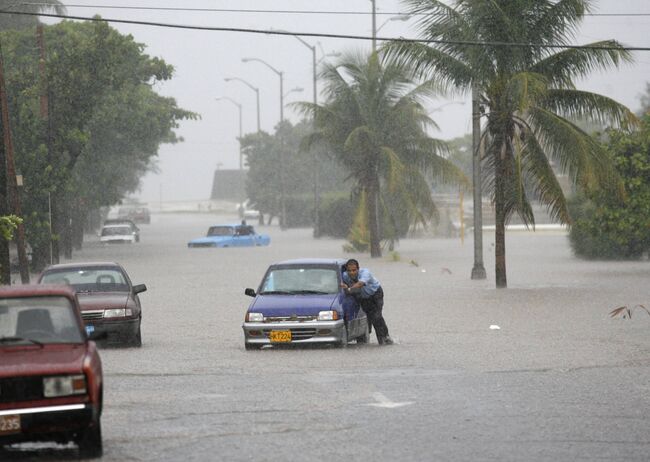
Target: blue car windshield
[
  {"x": 221, "y": 231},
  {"x": 301, "y": 280}
]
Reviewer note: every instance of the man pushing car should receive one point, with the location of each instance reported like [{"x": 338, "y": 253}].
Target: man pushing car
[{"x": 367, "y": 291}]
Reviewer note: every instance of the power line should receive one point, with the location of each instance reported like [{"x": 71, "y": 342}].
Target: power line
[
  {"x": 334, "y": 36},
  {"x": 245, "y": 10}
]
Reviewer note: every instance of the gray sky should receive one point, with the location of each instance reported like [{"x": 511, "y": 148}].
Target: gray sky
[{"x": 203, "y": 59}]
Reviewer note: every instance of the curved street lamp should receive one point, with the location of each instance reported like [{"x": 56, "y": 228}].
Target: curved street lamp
[
  {"x": 315, "y": 63},
  {"x": 294, "y": 90},
  {"x": 280, "y": 74},
  {"x": 283, "y": 206},
  {"x": 257, "y": 95},
  {"x": 399, "y": 17}
]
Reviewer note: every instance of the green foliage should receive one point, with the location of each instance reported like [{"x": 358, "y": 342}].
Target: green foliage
[
  {"x": 300, "y": 210},
  {"x": 608, "y": 226},
  {"x": 9, "y": 224},
  {"x": 273, "y": 158},
  {"x": 105, "y": 120},
  {"x": 528, "y": 94},
  {"x": 336, "y": 215},
  {"x": 359, "y": 235},
  {"x": 374, "y": 122}
]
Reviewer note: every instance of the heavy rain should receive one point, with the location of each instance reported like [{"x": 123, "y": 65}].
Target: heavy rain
[{"x": 177, "y": 140}]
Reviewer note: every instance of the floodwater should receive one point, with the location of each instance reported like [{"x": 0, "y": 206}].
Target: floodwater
[{"x": 558, "y": 379}]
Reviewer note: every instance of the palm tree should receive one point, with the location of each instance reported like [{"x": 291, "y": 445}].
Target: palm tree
[
  {"x": 527, "y": 89},
  {"x": 20, "y": 21},
  {"x": 376, "y": 127}
]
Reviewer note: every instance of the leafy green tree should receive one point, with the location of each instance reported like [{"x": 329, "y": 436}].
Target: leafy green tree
[
  {"x": 528, "y": 93},
  {"x": 104, "y": 127},
  {"x": 376, "y": 126},
  {"x": 23, "y": 21},
  {"x": 263, "y": 181},
  {"x": 617, "y": 227}
]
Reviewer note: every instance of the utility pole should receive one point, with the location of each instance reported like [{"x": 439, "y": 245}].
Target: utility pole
[
  {"x": 374, "y": 25},
  {"x": 5, "y": 258},
  {"x": 45, "y": 115},
  {"x": 312, "y": 48},
  {"x": 478, "y": 271},
  {"x": 11, "y": 177}
]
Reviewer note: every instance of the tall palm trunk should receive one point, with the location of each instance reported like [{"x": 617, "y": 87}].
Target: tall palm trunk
[
  {"x": 373, "y": 218},
  {"x": 500, "y": 219},
  {"x": 500, "y": 245}
]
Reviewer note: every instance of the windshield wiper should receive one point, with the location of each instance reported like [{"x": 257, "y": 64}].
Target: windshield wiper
[
  {"x": 19, "y": 339},
  {"x": 276, "y": 292},
  {"x": 309, "y": 292}
]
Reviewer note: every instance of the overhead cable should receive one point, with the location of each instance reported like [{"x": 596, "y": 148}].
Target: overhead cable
[
  {"x": 333, "y": 36},
  {"x": 251, "y": 10}
]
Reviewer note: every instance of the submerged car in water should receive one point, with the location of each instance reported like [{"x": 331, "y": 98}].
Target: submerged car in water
[
  {"x": 109, "y": 301},
  {"x": 231, "y": 235},
  {"x": 124, "y": 221},
  {"x": 301, "y": 302},
  {"x": 119, "y": 234},
  {"x": 51, "y": 382}
]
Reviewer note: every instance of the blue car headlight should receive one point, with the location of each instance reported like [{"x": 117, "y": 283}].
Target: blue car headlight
[
  {"x": 329, "y": 315},
  {"x": 254, "y": 317}
]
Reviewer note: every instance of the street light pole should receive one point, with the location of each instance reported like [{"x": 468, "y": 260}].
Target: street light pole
[
  {"x": 374, "y": 26},
  {"x": 283, "y": 206},
  {"x": 478, "y": 271},
  {"x": 239, "y": 106},
  {"x": 12, "y": 182},
  {"x": 316, "y": 167},
  {"x": 257, "y": 95}
]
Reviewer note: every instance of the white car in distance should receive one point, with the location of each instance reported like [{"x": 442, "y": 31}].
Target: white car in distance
[{"x": 117, "y": 234}]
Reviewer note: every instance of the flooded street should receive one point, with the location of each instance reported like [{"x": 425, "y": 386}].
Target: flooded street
[{"x": 558, "y": 379}]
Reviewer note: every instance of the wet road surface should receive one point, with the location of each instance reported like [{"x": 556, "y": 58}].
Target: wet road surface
[{"x": 558, "y": 380}]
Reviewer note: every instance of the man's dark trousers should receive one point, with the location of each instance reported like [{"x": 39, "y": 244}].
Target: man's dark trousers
[{"x": 373, "y": 307}]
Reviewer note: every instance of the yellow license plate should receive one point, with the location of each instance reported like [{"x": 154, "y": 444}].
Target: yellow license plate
[
  {"x": 9, "y": 424},
  {"x": 280, "y": 336}
]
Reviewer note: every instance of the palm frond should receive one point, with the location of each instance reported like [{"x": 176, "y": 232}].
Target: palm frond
[
  {"x": 429, "y": 63},
  {"x": 557, "y": 22},
  {"x": 563, "y": 67},
  {"x": 575, "y": 152},
  {"x": 541, "y": 176},
  {"x": 576, "y": 104},
  {"x": 524, "y": 89}
]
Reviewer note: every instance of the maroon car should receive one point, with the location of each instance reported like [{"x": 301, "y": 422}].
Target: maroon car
[
  {"x": 109, "y": 301},
  {"x": 50, "y": 372}
]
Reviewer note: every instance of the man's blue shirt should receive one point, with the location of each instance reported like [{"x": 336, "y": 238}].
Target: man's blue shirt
[{"x": 371, "y": 284}]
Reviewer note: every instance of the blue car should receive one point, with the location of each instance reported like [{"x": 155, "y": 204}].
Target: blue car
[
  {"x": 238, "y": 235},
  {"x": 301, "y": 302}
]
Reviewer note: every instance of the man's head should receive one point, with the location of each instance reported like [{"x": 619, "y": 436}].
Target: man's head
[{"x": 352, "y": 268}]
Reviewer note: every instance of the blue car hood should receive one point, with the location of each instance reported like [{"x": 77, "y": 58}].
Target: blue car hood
[
  {"x": 211, "y": 239},
  {"x": 288, "y": 305}
]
